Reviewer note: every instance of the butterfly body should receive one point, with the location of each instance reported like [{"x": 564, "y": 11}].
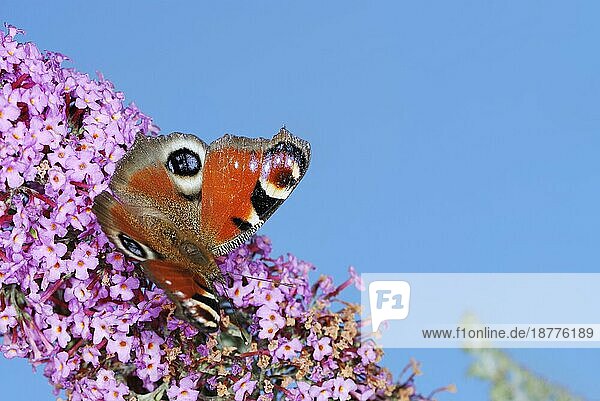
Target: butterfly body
[{"x": 176, "y": 203}]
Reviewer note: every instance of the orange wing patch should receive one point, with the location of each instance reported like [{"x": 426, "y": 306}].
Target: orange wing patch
[
  {"x": 229, "y": 178},
  {"x": 152, "y": 181}
]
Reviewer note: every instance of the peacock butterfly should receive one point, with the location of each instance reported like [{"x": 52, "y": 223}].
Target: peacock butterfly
[{"x": 175, "y": 203}]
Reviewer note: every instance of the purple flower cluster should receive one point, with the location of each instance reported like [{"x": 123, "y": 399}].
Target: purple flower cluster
[{"x": 101, "y": 330}]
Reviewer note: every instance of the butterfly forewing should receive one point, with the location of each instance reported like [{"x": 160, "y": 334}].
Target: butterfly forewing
[{"x": 245, "y": 181}]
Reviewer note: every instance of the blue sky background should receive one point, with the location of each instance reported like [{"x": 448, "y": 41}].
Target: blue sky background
[{"x": 447, "y": 136}]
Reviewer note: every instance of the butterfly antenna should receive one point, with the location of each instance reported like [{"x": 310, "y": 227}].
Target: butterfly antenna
[{"x": 264, "y": 279}]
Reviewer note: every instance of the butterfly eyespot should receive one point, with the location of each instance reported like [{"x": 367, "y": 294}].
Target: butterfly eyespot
[
  {"x": 282, "y": 177},
  {"x": 132, "y": 246},
  {"x": 134, "y": 249},
  {"x": 184, "y": 162},
  {"x": 287, "y": 154},
  {"x": 285, "y": 164}
]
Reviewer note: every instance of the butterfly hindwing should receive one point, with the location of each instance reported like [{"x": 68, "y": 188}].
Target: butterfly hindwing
[
  {"x": 190, "y": 292},
  {"x": 244, "y": 182}
]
